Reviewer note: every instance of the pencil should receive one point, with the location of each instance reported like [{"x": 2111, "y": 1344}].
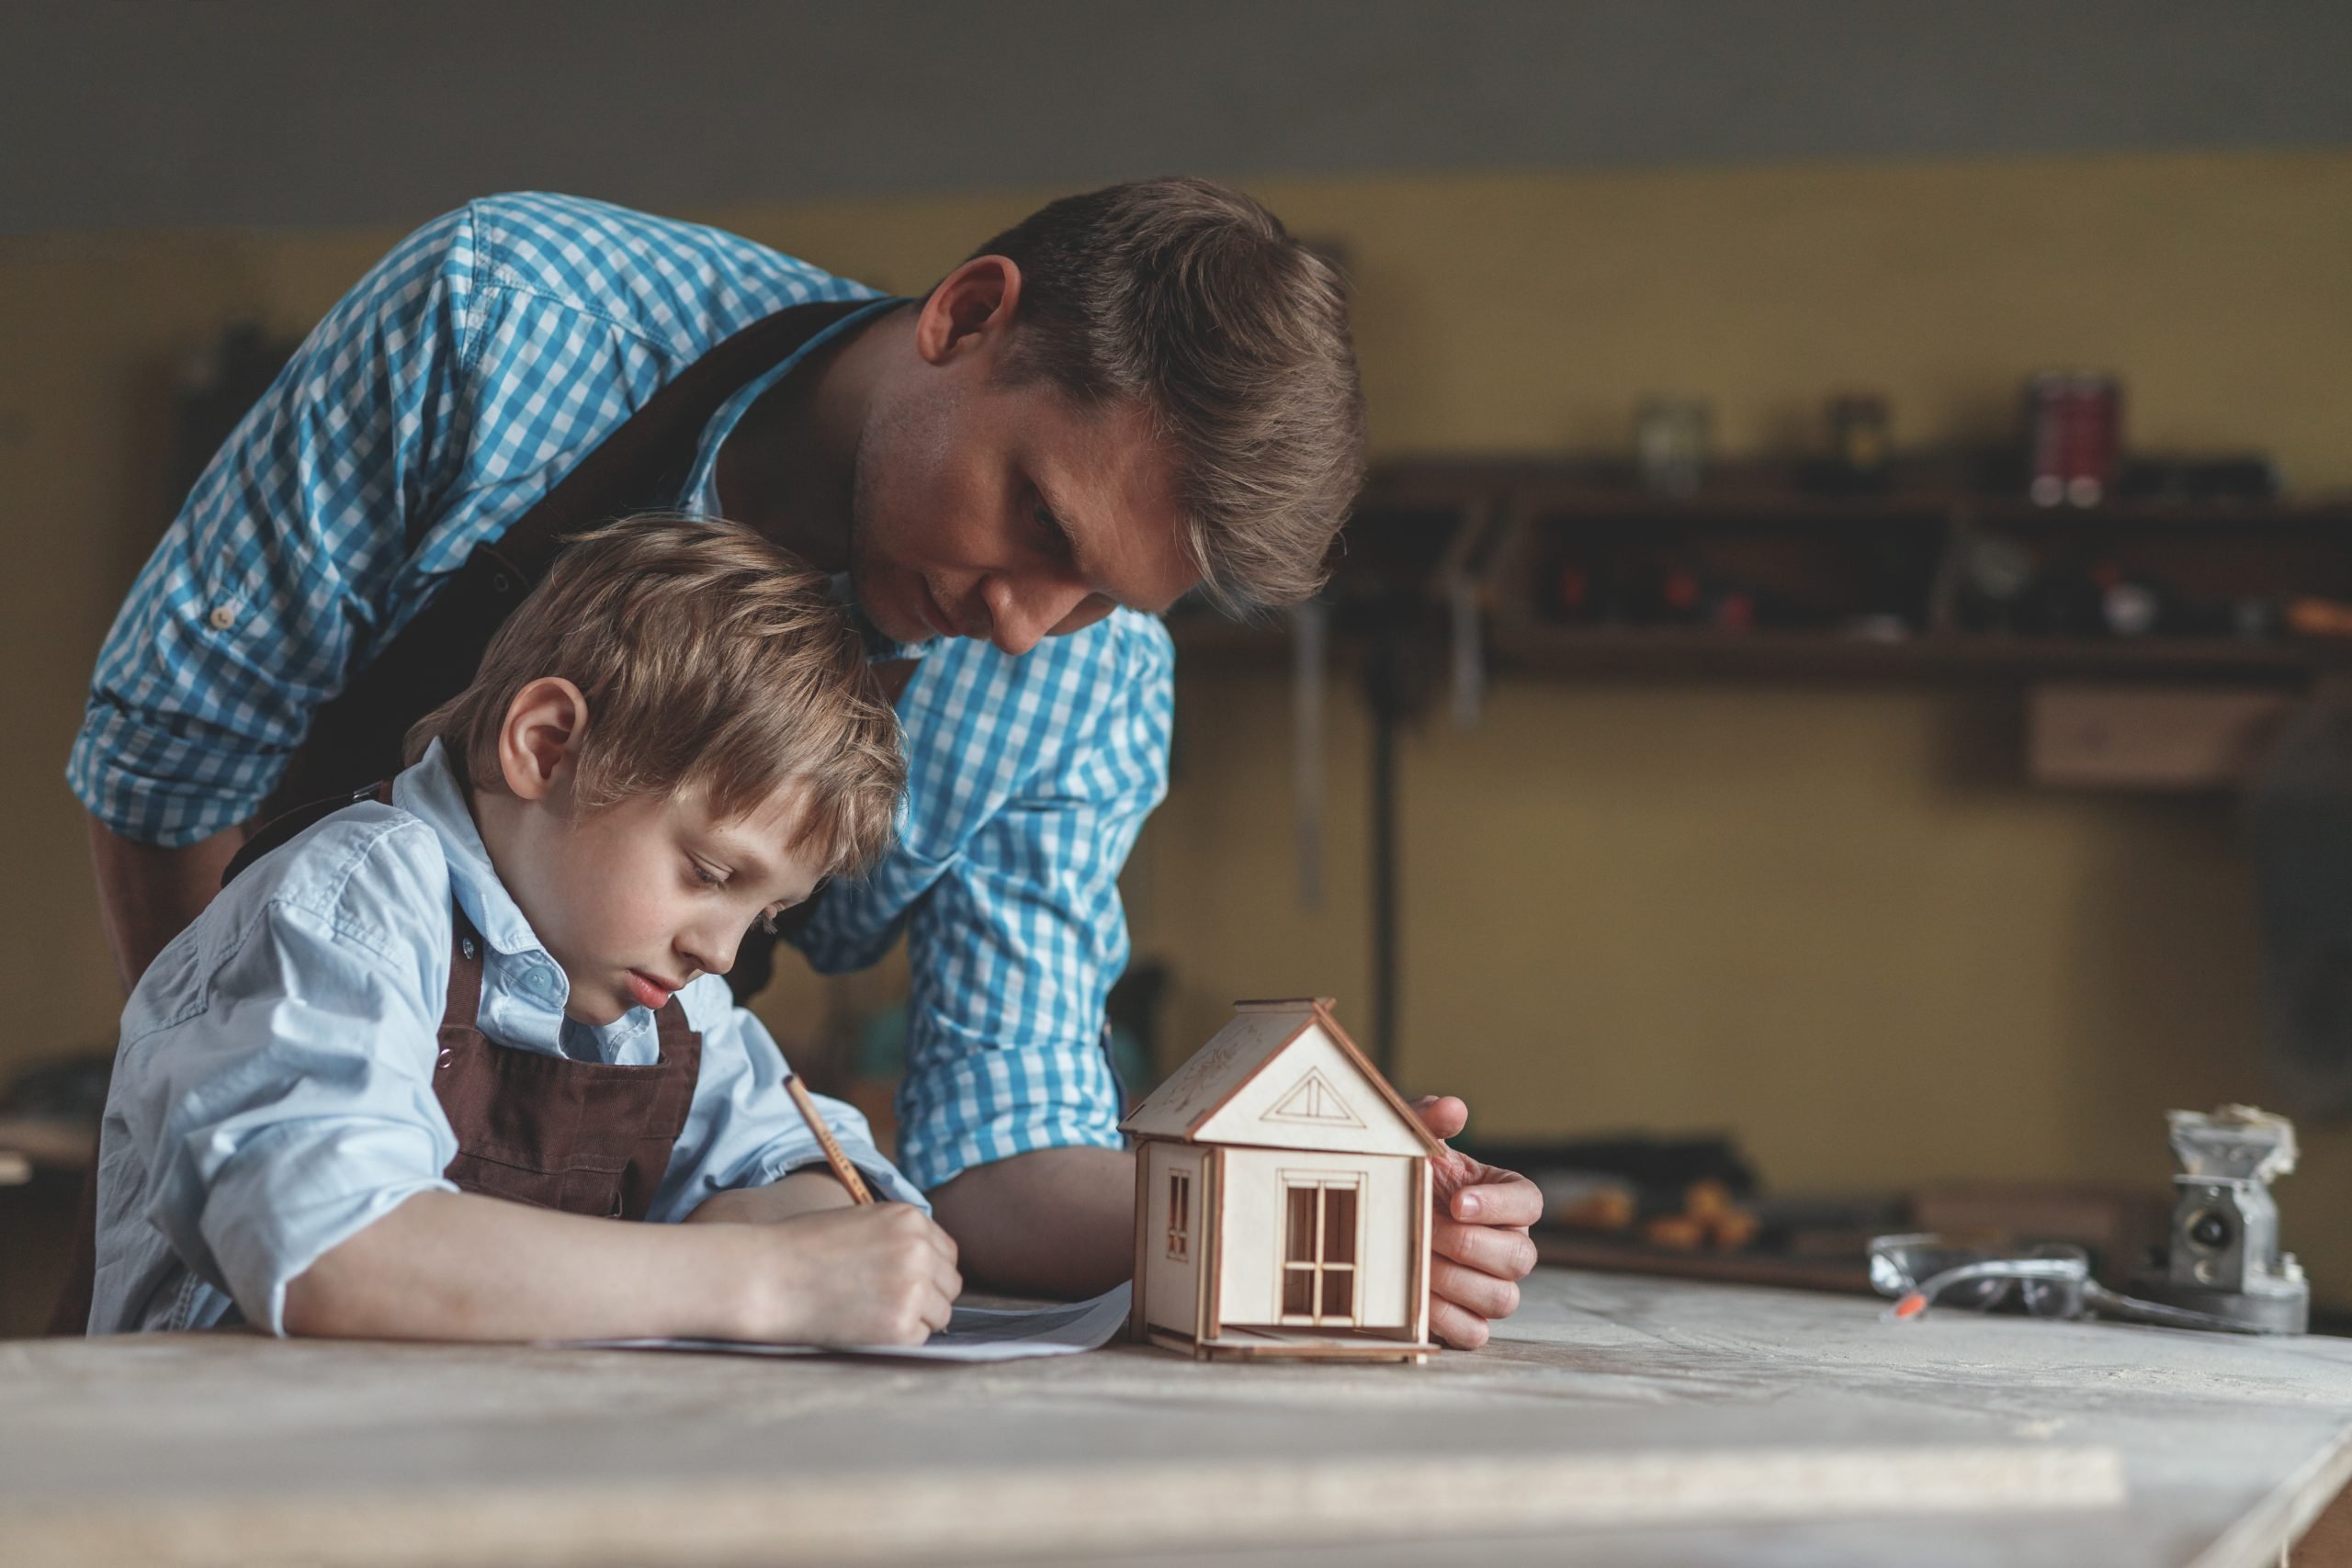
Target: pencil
[{"x": 844, "y": 1172}]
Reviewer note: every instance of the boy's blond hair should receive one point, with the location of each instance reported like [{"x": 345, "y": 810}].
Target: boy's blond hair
[{"x": 710, "y": 659}]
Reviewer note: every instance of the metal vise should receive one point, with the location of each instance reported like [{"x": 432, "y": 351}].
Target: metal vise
[{"x": 2224, "y": 1256}]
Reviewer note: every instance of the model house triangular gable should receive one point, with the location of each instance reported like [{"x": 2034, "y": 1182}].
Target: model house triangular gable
[{"x": 1282, "y": 1075}]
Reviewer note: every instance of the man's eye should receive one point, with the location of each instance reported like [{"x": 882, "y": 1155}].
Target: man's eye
[{"x": 1050, "y": 528}]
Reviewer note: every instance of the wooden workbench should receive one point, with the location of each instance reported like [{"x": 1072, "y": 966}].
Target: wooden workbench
[{"x": 1621, "y": 1420}]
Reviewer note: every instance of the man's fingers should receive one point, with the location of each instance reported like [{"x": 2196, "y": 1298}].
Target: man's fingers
[
  {"x": 1443, "y": 1114},
  {"x": 1463, "y": 1330},
  {"x": 1511, "y": 1201},
  {"x": 1505, "y": 1254},
  {"x": 1481, "y": 1294}
]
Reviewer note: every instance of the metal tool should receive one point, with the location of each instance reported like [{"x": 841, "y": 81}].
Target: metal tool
[
  {"x": 2053, "y": 1280},
  {"x": 2224, "y": 1271},
  {"x": 2224, "y": 1257}
]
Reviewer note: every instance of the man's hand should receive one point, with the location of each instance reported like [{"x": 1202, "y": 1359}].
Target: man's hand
[{"x": 1480, "y": 1247}]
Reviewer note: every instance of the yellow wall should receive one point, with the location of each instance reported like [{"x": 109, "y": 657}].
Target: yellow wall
[{"x": 1828, "y": 917}]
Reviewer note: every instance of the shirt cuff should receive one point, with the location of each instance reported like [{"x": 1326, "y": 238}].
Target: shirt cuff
[
  {"x": 855, "y": 1140},
  {"x": 267, "y": 1219},
  {"x": 881, "y": 1176},
  {"x": 997, "y": 1102},
  {"x": 157, "y": 786}
]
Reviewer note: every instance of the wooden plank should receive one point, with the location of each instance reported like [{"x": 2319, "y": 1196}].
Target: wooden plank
[
  {"x": 2326, "y": 1542},
  {"x": 1213, "y": 1260},
  {"x": 1225, "y": 1350},
  {"x": 1007, "y": 1513},
  {"x": 2288, "y": 1512},
  {"x": 1166, "y": 1339},
  {"x": 1808, "y": 1407},
  {"x": 1418, "y": 1287}
]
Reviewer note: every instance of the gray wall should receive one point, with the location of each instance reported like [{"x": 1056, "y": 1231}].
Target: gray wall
[{"x": 120, "y": 113}]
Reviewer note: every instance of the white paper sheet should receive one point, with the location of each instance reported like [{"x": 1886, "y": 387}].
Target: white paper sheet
[{"x": 973, "y": 1333}]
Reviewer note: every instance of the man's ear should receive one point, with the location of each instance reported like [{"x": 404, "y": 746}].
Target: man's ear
[
  {"x": 972, "y": 309},
  {"x": 544, "y": 723}
]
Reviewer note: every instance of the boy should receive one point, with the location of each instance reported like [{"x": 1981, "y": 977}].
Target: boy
[{"x": 399, "y": 1075}]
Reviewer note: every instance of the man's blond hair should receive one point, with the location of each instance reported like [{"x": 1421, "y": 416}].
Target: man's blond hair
[
  {"x": 711, "y": 661},
  {"x": 1193, "y": 301}
]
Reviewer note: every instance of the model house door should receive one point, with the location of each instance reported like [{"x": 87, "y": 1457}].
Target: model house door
[{"x": 1321, "y": 1216}]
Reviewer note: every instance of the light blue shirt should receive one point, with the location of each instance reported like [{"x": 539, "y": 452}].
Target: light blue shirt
[
  {"x": 470, "y": 370},
  {"x": 273, "y": 1093}
]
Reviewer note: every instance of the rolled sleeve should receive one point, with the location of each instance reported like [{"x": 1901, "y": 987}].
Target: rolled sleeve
[
  {"x": 275, "y": 581},
  {"x": 1015, "y": 947},
  {"x": 292, "y": 1195},
  {"x": 287, "y": 1102},
  {"x": 745, "y": 1131}
]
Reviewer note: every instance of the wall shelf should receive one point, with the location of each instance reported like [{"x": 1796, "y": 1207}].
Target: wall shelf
[
  {"x": 1508, "y": 534},
  {"x": 1700, "y": 651}
]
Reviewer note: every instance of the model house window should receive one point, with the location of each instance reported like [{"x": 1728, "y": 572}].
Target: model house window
[
  {"x": 1320, "y": 1248},
  {"x": 1179, "y": 1214}
]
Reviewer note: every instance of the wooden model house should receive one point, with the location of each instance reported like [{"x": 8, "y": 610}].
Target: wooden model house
[{"x": 1282, "y": 1197}]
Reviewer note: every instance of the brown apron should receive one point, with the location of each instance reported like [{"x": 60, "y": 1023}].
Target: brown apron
[
  {"x": 584, "y": 1137},
  {"x": 356, "y": 739}
]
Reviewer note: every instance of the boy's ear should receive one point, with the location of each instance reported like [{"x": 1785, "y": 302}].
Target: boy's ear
[
  {"x": 544, "y": 723},
  {"x": 973, "y": 306}
]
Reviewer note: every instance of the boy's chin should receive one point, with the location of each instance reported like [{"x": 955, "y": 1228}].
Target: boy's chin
[{"x": 596, "y": 1012}]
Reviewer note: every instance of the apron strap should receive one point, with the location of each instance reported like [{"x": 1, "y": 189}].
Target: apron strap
[{"x": 357, "y": 736}]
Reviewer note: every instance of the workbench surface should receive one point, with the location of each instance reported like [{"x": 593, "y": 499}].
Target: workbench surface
[{"x": 1618, "y": 1420}]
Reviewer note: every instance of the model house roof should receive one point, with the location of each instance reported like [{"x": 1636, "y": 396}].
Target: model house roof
[{"x": 1283, "y": 1075}]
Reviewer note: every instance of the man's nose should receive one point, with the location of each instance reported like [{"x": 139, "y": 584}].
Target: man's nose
[{"x": 1022, "y": 614}]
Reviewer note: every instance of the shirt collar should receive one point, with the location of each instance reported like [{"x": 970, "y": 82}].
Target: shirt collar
[
  {"x": 431, "y": 792},
  {"x": 700, "y": 496}
]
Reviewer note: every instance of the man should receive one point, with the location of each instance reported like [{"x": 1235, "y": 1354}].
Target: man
[{"x": 1131, "y": 394}]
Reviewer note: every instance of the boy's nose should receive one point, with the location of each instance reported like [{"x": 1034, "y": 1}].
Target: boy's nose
[{"x": 709, "y": 952}]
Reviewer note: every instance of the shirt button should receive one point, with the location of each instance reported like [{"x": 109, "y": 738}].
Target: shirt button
[{"x": 223, "y": 616}]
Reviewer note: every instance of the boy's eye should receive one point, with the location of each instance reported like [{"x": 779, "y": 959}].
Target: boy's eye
[
  {"x": 767, "y": 922},
  {"x": 705, "y": 875}
]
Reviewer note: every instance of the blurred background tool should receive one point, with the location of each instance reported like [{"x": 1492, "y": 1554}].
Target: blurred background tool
[
  {"x": 1861, "y": 441},
  {"x": 2224, "y": 1257},
  {"x": 1671, "y": 443}
]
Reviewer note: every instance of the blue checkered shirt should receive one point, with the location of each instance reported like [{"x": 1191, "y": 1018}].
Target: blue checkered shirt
[{"x": 447, "y": 392}]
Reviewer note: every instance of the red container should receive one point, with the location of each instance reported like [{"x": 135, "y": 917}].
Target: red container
[{"x": 2074, "y": 436}]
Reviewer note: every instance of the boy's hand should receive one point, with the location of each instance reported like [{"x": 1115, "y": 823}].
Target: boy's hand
[
  {"x": 881, "y": 1274},
  {"x": 1481, "y": 1249}
]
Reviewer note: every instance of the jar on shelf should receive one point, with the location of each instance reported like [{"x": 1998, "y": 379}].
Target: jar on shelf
[{"x": 1671, "y": 443}]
